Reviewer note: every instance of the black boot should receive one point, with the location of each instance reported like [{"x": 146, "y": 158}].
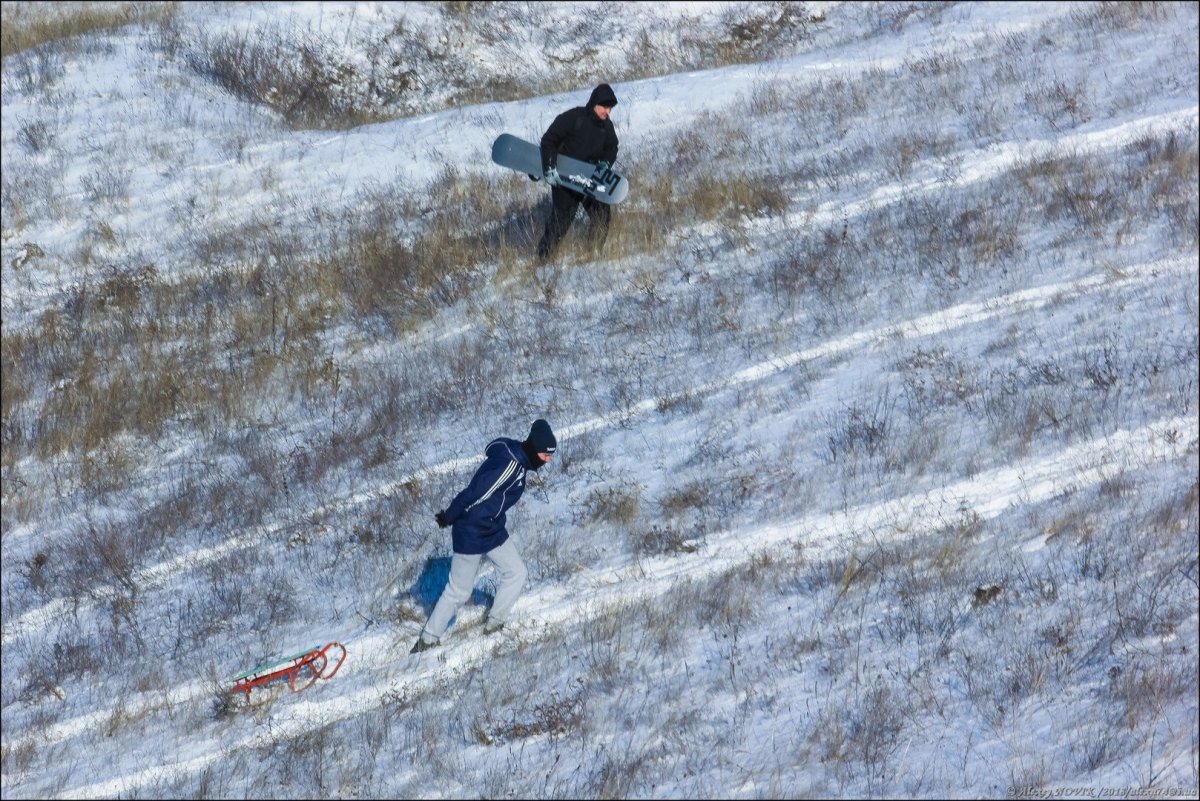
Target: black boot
[{"x": 423, "y": 644}]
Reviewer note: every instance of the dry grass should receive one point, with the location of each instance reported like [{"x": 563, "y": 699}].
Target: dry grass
[
  {"x": 29, "y": 25},
  {"x": 291, "y": 367}
]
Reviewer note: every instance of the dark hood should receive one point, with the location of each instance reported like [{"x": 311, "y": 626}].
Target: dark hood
[{"x": 602, "y": 95}]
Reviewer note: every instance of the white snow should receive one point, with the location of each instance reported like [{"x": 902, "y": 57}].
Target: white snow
[{"x": 776, "y": 704}]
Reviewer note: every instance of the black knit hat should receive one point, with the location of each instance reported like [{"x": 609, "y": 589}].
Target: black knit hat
[
  {"x": 541, "y": 438},
  {"x": 602, "y": 95}
]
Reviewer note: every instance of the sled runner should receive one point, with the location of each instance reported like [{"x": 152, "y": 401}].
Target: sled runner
[{"x": 320, "y": 663}]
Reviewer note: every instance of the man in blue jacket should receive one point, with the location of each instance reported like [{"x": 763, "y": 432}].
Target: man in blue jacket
[
  {"x": 585, "y": 133},
  {"x": 477, "y": 517}
]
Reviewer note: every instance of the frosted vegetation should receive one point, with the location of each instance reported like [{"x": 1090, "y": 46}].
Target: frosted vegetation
[{"x": 878, "y": 411}]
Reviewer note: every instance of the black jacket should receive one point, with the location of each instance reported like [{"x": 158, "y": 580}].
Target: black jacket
[{"x": 579, "y": 133}]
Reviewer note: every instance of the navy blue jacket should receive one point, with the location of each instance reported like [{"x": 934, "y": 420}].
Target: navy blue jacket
[{"x": 477, "y": 514}]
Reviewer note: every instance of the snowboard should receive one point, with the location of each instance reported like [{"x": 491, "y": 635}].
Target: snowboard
[{"x": 607, "y": 186}]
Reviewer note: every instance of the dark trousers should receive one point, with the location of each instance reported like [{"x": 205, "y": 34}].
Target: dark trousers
[{"x": 564, "y": 203}]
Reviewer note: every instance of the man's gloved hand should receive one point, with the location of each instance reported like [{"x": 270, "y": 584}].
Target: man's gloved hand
[
  {"x": 552, "y": 177},
  {"x": 602, "y": 166},
  {"x": 442, "y": 522}
]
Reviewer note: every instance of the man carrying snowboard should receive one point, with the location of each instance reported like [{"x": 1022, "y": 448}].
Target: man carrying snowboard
[
  {"x": 585, "y": 133},
  {"x": 477, "y": 517}
]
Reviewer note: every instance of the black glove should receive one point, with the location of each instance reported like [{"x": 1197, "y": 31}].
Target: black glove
[{"x": 442, "y": 522}]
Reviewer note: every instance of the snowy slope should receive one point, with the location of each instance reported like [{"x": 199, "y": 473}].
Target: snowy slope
[{"x": 886, "y": 489}]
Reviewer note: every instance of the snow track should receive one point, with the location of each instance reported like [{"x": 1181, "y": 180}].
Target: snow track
[
  {"x": 824, "y": 536},
  {"x": 92, "y": 744},
  {"x": 372, "y": 658},
  {"x": 955, "y": 317}
]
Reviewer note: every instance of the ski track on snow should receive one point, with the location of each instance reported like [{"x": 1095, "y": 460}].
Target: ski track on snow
[
  {"x": 927, "y": 325},
  {"x": 822, "y": 537}
]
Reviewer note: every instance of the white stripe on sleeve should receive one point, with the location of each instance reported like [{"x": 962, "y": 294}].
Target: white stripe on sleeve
[{"x": 507, "y": 474}]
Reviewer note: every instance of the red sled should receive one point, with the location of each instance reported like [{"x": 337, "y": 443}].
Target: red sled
[{"x": 301, "y": 669}]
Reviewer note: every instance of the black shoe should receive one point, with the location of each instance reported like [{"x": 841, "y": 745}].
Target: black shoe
[
  {"x": 423, "y": 644},
  {"x": 545, "y": 250}
]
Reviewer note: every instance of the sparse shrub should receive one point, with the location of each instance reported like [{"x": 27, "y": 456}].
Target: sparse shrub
[
  {"x": 860, "y": 431},
  {"x": 556, "y": 717},
  {"x": 985, "y": 595},
  {"x": 936, "y": 379},
  {"x": 663, "y": 539},
  {"x": 37, "y": 136},
  {"x": 50, "y": 666},
  {"x": 616, "y": 504},
  {"x": 755, "y": 31},
  {"x": 294, "y": 78},
  {"x": 288, "y": 368},
  {"x": 17, "y": 758},
  {"x": 1063, "y": 104},
  {"x": 615, "y": 773},
  {"x": 688, "y": 498},
  {"x": 873, "y": 733},
  {"x": 34, "y": 72},
  {"x": 1104, "y": 18},
  {"x": 1142, "y": 689},
  {"x": 605, "y": 643},
  {"x": 106, "y": 185},
  {"x": 824, "y": 263},
  {"x": 895, "y": 17},
  {"x": 729, "y": 600},
  {"x": 956, "y": 538}
]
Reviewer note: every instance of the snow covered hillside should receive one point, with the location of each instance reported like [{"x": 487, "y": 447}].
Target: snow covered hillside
[{"x": 877, "y": 412}]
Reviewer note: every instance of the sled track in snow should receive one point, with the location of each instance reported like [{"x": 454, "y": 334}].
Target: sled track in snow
[
  {"x": 899, "y": 519},
  {"x": 981, "y": 165},
  {"x": 824, "y": 535},
  {"x": 954, "y": 317}
]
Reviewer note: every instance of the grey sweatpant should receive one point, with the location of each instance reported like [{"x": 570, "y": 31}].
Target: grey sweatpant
[{"x": 463, "y": 570}]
